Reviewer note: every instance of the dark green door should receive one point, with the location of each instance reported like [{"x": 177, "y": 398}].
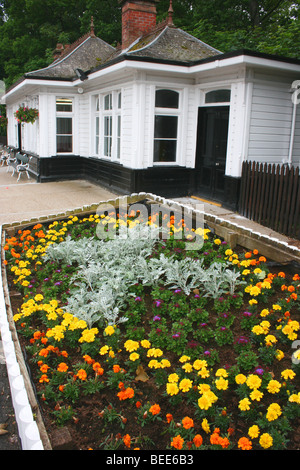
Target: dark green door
[{"x": 211, "y": 151}]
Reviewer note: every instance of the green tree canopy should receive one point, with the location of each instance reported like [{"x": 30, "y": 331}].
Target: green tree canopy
[{"x": 30, "y": 29}]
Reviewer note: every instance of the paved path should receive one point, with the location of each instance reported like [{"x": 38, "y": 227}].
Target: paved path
[{"x": 28, "y": 199}]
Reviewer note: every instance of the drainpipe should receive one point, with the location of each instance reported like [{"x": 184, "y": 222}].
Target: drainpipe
[
  {"x": 290, "y": 156},
  {"x": 294, "y": 90}
]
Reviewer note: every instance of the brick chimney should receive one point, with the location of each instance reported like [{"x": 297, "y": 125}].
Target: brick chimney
[{"x": 138, "y": 17}]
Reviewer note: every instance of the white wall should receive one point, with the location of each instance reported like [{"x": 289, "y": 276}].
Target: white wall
[{"x": 270, "y": 121}]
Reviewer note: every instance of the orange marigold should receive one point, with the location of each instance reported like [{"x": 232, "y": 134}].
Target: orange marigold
[
  {"x": 177, "y": 442},
  {"x": 198, "y": 440},
  {"x": 127, "y": 440},
  {"x": 244, "y": 443},
  {"x": 154, "y": 409},
  {"x": 62, "y": 367},
  {"x": 169, "y": 417},
  {"x": 81, "y": 374},
  {"x": 187, "y": 423}
]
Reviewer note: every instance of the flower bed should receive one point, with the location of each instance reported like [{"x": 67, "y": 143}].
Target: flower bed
[{"x": 135, "y": 342}]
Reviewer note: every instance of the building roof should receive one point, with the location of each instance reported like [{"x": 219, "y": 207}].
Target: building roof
[
  {"x": 172, "y": 44},
  {"x": 164, "y": 43},
  {"x": 85, "y": 54}
]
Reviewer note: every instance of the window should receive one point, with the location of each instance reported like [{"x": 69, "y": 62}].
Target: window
[
  {"x": 165, "y": 126},
  {"x": 217, "y": 96},
  {"x": 108, "y": 123},
  {"x": 64, "y": 125}
]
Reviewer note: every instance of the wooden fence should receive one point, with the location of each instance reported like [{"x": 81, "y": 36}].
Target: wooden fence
[{"x": 270, "y": 195}]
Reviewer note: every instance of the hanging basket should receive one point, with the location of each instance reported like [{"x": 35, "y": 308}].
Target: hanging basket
[
  {"x": 3, "y": 122},
  {"x": 26, "y": 115}
]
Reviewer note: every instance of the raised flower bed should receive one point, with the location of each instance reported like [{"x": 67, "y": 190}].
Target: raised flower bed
[{"x": 137, "y": 343}]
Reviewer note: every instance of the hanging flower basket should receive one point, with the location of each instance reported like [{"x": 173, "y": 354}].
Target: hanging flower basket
[
  {"x": 25, "y": 114},
  {"x": 3, "y": 122}
]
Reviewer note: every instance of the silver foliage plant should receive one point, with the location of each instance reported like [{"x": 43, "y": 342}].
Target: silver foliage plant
[{"x": 107, "y": 270}]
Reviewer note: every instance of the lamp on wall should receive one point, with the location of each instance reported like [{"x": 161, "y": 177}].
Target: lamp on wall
[{"x": 80, "y": 90}]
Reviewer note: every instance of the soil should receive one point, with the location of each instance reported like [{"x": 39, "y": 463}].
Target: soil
[{"x": 90, "y": 429}]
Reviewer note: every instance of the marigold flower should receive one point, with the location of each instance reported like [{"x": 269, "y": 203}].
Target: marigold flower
[
  {"x": 169, "y": 417},
  {"x": 205, "y": 426},
  {"x": 116, "y": 368},
  {"x": 273, "y": 386},
  {"x": 253, "y": 431},
  {"x": 81, "y": 374},
  {"x": 253, "y": 381},
  {"x": 187, "y": 423},
  {"x": 266, "y": 440},
  {"x": 244, "y": 405},
  {"x": 177, "y": 442},
  {"x": 44, "y": 378},
  {"x": 172, "y": 388},
  {"x": 240, "y": 379},
  {"x": 62, "y": 367},
  {"x": 185, "y": 385},
  {"x": 154, "y": 409},
  {"x": 198, "y": 440},
  {"x": 127, "y": 440},
  {"x": 273, "y": 412},
  {"x": 244, "y": 443},
  {"x": 125, "y": 394},
  {"x": 288, "y": 374}
]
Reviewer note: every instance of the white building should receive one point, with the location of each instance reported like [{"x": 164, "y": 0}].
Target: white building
[{"x": 164, "y": 113}]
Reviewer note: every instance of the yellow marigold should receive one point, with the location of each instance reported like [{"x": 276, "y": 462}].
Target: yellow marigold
[
  {"x": 134, "y": 356},
  {"x": 279, "y": 354},
  {"x": 154, "y": 352},
  {"x": 270, "y": 340},
  {"x": 204, "y": 402},
  {"x": 173, "y": 378},
  {"x": 109, "y": 330},
  {"x": 253, "y": 431},
  {"x": 104, "y": 350},
  {"x": 204, "y": 373},
  {"x": 240, "y": 379},
  {"x": 253, "y": 381},
  {"x": 172, "y": 388},
  {"x": 256, "y": 395},
  {"x": 185, "y": 385},
  {"x": 221, "y": 383},
  {"x": 273, "y": 412},
  {"x": 88, "y": 335},
  {"x": 187, "y": 367},
  {"x": 273, "y": 386},
  {"x": 205, "y": 426},
  {"x": 145, "y": 343},
  {"x": 199, "y": 364},
  {"x": 221, "y": 373},
  {"x": 184, "y": 358},
  {"x": 295, "y": 398},
  {"x": 254, "y": 291},
  {"x": 131, "y": 345},
  {"x": 257, "y": 330},
  {"x": 288, "y": 374},
  {"x": 244, "y": 404},
  {"x": 266, "y": 440}
]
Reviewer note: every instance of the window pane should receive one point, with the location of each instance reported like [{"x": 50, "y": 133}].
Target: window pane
[
  {"x": 108, "y": 102},
  {"x": 64, "y": 126},
  {"x": 165, "y": 150},
  {"x": 64, "y": 105},
  {"x": 107, "y": 125},
  {"x": 64, "y": 144},
  {"x": 166, "y": 99},
  {"x": 165, "y": 127},
  {"x": 120, "y": 100},
  {"x": 217, "y": 96}
]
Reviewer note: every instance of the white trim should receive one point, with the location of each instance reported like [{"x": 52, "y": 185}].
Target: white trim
[{"x": 27, "y": 426}]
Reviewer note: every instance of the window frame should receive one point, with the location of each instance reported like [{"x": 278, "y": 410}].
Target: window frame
[
  {"x": 64, "y": 115},
  {"x": 110, "y": 125},
  {"x": 167, "y": 112}
]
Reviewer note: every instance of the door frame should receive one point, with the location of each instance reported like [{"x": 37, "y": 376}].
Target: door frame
[{"x": 211, "y": 191}]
